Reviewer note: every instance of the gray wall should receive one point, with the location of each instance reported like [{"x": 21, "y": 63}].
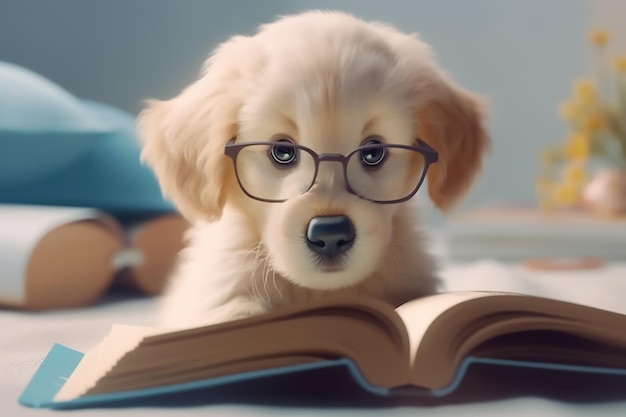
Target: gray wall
[{"x": 521, "y": 54}]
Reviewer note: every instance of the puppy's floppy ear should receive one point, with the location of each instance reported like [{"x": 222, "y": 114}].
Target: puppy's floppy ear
[
  {"x": 451, "y": 121},
  {"x": 183, "y": 138},
  {"x": 447, "y": 117}
]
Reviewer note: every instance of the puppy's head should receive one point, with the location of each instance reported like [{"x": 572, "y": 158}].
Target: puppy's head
[{"x": 331, "y": 83}]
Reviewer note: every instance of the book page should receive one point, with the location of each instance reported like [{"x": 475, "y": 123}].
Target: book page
[
  {"x": 419, "y": 314},
  {"x": 98, "y": 361}
]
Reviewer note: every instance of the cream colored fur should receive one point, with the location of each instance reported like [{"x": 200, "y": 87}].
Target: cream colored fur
[{"x": 327, "y": 80}]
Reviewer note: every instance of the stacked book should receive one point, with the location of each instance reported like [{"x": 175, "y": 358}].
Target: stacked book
[{"x": 518, "y": 234}]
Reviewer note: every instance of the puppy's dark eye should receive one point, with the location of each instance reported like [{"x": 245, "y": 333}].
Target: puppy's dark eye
[
  {"x": 372, "y": 156},
  {"x": 284, "y": 154}
]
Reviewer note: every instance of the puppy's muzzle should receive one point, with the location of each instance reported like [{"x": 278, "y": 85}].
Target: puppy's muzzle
[{"x": 330, "y": 235}]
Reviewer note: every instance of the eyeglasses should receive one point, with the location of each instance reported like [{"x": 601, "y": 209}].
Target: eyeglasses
[{"x": 275, "y": 172}]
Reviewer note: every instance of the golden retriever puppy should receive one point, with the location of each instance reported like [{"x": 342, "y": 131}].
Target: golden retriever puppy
[{"x": 296, "y": 154}]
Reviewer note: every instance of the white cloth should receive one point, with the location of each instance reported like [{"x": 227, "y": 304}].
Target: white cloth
[{"x": 21, "y": 228}]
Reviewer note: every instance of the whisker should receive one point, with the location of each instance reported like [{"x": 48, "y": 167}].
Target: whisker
[
  {"x": 254, "y": 251},
  {"x": 258, "y": 260},
  {"x": 261, "y": 260},
  {"x": 280, "y": 294},
  {"x": 266, "y": 271}
]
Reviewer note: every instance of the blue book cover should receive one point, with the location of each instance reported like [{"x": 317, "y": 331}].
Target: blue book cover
[{"x": 61, "y": 362}]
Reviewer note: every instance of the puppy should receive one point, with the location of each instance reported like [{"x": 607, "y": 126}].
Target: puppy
[{"x": 296, "y": 154}]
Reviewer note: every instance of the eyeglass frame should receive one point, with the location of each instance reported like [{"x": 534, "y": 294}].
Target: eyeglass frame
[{"x": 431, "y": 156}]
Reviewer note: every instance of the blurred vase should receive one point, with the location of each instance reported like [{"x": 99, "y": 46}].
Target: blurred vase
[{"x": 605, "y": 194}]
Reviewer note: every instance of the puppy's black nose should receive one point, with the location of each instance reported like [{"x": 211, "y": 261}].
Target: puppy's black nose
[{"x": 330, "y": 235}]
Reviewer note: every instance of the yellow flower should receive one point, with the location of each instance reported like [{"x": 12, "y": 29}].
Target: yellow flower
[
  {"x": 548, "y": 157},
  {"x": 585, "y": 92},
  {"x": 620, "y": 63},
  {"x": 599, "y": 37},
  {"x": 543, "y": 185},
  {"x": 574, "y": 174},
  {"x": 566, "y": 195},
  {"x": 577, "y": 146},
  {"x": 569, "y": 110},
  {"x": 593, "y": 123}
]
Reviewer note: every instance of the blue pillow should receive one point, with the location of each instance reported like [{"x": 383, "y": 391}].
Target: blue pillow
[{"x": 56, "y": 149}]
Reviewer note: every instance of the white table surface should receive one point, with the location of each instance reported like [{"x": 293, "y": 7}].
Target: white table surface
[{"x": 26, "y": 337}]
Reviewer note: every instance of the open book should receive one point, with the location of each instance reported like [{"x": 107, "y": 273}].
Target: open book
[{"x": 423, "y": 346}]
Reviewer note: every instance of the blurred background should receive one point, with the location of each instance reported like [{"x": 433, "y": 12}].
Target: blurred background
[
  {"x": 542, "y": 66},
  {"x": 522, "y": 55},
  {"x": 80, "y": 216}
]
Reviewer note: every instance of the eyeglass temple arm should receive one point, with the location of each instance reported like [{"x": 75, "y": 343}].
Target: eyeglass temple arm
[{"x": 433, "y": 154}]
